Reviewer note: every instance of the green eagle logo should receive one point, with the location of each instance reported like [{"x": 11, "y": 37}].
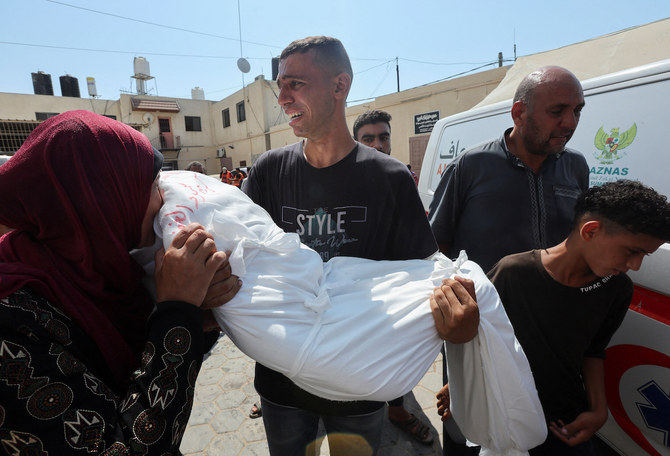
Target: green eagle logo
[{"x": 610, "y": 144}]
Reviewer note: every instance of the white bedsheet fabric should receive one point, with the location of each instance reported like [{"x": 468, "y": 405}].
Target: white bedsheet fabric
[{"x": 354, "y": 329}]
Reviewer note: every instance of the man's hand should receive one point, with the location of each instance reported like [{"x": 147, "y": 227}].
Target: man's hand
[
  {"x": 587, "y": 423},
  {"x": 455, "y": 310},
  {"x": 579, "y": 431},
  {"x": 223, "y": 287},
  {"x": 443, "y": 403},
  {"x": 185, "y": 270}
]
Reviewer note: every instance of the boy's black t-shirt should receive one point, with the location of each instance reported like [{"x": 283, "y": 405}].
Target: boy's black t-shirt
[{"x": 558, "y": 326}]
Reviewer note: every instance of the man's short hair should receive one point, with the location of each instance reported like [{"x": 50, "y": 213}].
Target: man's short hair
[
  {"x": 626, "y": 204},
  {"x": 328, "y": 52},
  {"x": 371, "y": 117},
  {"x": 197, "y": 164},
  {"x": 524, "y": 92}
]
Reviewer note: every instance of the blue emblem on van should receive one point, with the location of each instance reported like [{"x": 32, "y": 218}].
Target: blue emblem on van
[
  {"x": 656, "y": 414},
  {"x": 611, "y": 144}
]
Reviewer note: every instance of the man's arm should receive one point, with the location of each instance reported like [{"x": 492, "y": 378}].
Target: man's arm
[
  {"x": 445, "y": 208},
  {"x": 587, "y": 423}
]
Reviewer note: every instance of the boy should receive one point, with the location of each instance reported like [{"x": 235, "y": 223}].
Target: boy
[{"x": 566, "y": 302}]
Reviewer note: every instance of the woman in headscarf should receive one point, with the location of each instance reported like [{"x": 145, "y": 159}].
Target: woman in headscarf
[{"x": 88, "y": 363}]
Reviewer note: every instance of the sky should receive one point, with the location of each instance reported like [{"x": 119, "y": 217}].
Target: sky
[{"x": 198, "y": 43}]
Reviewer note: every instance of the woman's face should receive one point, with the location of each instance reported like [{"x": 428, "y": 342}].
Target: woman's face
[{"x": 155, "y": 203}]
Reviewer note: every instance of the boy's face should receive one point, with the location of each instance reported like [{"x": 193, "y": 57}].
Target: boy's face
[{"x": 617, "y": 252}]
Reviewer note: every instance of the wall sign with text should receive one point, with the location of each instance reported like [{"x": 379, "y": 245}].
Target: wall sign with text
[{"x": 424, "y": 123}]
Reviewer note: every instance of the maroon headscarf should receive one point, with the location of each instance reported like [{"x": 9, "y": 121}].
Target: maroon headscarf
[{"x": 76, "y": 193}]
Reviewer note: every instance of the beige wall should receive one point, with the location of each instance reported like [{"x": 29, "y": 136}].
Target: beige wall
[
  {"x": 17, "y": 106},
  {"x": 249, "y": 138},
  {"x": 266, "y": 125},
  {"x": 448, "y": 97},
  {"x": 588, "y": 59}
]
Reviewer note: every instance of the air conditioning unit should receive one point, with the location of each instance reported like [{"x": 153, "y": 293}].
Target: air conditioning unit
[{"x": 220, "y": 153}]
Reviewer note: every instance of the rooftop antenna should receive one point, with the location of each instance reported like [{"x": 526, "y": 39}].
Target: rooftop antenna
[
  {"x": 242, "y": 63},
  {"x": 515, "y": 45}
]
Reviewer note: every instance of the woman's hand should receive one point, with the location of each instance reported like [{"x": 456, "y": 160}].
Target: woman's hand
[{"x": 185, "y": 271}]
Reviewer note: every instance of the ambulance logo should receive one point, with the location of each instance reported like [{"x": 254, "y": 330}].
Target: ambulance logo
[{"x": 610, "y": 145}]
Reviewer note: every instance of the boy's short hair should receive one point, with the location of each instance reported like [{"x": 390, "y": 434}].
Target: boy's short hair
[
  {"x": 626, "y": 204},
  {"x": 328, "y": 52},
  {"x": 371, "y": 117}
]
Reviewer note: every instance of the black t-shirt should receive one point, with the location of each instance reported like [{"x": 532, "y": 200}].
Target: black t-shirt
[
  {"x": 366, "y": 205},
  {"x": 558, "y": 326}
]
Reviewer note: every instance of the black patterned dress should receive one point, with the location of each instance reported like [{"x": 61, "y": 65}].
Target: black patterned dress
[{"x": 56, "y": 393}]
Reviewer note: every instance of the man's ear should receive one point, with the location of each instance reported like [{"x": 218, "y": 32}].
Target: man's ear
[
  {"x": 519, "y": 110},
  {"x": 342, "y": 85},
  {"x": 590, "y": 229}
]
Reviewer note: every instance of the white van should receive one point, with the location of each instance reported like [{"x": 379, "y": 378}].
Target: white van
[{"x": 622, "y": 134}]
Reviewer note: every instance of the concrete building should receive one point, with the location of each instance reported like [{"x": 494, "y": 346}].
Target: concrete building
[{"x": 234, "y": 131}]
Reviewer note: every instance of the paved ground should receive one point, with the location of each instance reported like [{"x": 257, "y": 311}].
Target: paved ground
[{"x": 224, "y": 394}]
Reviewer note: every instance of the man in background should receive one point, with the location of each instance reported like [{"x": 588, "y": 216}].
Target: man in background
[{"x": 373, "y": 128}]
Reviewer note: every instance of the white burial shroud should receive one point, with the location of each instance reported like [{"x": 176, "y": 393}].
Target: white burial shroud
[{"x": 357, "y": 329}]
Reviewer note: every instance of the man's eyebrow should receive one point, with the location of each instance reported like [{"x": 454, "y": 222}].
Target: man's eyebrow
[{"x": 288, "y": 76}]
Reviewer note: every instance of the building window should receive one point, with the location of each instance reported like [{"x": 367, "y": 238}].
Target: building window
[
  {"x": 13, "y": 134},
  {"x": 41, "y": 116},
  {"x": 241, "y": 114},
  {"x": 110, "y": 116},
  {"x": 226, "y": 117},
  {"x": 192, "y": 123}
]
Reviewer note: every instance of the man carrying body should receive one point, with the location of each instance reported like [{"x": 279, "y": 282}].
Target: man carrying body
[
  {"x": 566, "y": 302},
  {"x": 373, "y": 128},
  {"x": 374, "y": 213},
  {"x": 517, "y": 192}
]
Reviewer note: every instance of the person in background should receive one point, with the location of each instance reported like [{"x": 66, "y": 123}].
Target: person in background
[
  {"x": 414, "y": 176},
  {"x": 566, "y": 302},
  {"x": 373, "y": 128},
  {"x": 196, "y": 167},
  {"x": 225, "y": 175},
  {"x": 237, "y": 177},
  {"x": 90, "y": 363},
  {"x": 517, "y": 192},
  {"x": 320, "y": 188}
]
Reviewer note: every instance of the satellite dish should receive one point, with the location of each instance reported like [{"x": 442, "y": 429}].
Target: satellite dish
[
  {"x": 243, "y": 65},
  {"x": 148, "y": 117}
]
